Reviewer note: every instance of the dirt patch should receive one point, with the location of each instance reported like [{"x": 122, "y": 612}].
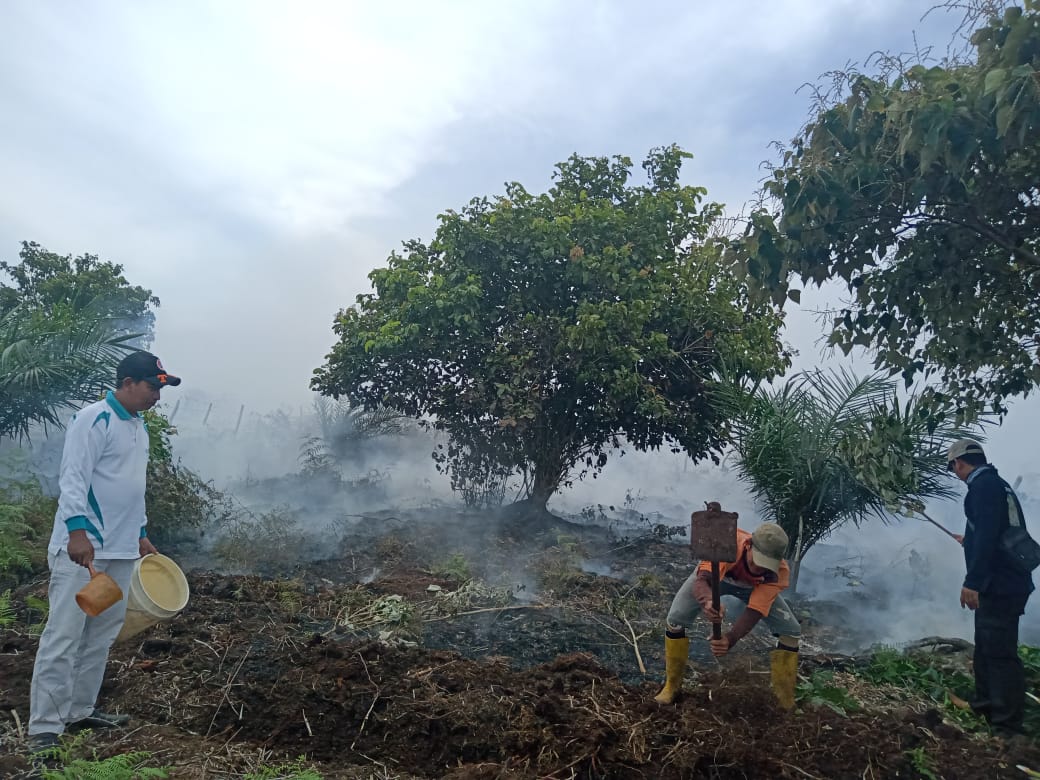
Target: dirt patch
[{"x": 543, "y": 683}]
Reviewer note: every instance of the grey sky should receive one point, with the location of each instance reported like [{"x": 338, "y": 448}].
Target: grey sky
[{"x": 251, "y": 162}]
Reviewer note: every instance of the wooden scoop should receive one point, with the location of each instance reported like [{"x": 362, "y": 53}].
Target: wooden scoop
[{"x": 99, "y": 594}]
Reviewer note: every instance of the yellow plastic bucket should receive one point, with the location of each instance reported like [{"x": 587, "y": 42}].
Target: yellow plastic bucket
[{"x": 158, "y": 592}]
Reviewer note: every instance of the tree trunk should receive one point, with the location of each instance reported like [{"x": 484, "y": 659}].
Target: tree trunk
[
  {"x": 796, "y": 559},
  {"x": 542, "y": 490},
  {"x": 548, "y": 469},
  {"x": 530, "y": 512}
]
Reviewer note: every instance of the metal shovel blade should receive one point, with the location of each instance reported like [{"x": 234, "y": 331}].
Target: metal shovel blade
[
  {"x": 713, "y": 535},
  {"x": 713, "y": 538}
]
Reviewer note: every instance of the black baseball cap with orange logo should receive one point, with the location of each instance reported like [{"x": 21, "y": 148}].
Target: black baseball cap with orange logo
[{"x": 144, "y": 366}]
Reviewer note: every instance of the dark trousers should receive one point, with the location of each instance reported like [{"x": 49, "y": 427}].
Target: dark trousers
[{"x": 999, "y": 675}]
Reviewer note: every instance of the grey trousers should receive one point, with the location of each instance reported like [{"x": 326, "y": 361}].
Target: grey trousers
[
  {"x": 684, "y": 610},
  {"x": 70, "y": 662}
]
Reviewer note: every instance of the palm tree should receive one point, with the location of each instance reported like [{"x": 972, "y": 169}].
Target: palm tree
[
  {"x": 345, "y": 428},
  {"x": 53, "y": 362},
  {"x": 828, "y": 449}
]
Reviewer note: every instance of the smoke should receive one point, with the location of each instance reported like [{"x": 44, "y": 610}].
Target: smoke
[
  {"x": 237, "y": 447},
  {"x": 882, "y": 583}
]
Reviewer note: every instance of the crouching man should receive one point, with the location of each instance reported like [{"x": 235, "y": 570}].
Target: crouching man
[{"x": 757, "y": 578}]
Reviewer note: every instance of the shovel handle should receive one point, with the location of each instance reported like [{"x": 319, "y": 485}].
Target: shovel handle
[{"x": 716, "y": 625}]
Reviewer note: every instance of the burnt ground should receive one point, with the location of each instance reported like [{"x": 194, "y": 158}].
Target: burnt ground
[{"x": 492, "y": 652}]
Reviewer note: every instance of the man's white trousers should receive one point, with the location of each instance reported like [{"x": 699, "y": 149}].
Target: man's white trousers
[{"x": 73, "y": 652}]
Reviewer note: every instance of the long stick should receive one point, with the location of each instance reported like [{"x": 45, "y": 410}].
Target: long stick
[
  {"x": 945, "y": 530},
  {"x": 634, "y": 641},
  {"x": 487, "y": 609},
  {"x": 635, "y": 645}
]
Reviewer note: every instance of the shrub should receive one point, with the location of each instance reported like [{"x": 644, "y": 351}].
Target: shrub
[
  {"x": 178, "y": 501},
  {"x": 26, "y": 518}
]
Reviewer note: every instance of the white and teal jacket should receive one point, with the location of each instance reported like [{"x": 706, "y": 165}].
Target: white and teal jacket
[{"x": 103, "y": 467}]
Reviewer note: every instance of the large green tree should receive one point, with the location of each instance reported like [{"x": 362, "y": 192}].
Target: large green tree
[
  {"x": 64, "y": 325},
  {"x": 50, "y": 284},
  {"x": 539, "y": 330},
  {"x": 918, "y": 188},
  {"x": 827, "y": 448}
]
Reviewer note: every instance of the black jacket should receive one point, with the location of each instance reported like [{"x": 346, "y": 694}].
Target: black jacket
[{"x": 987, "y": 507}]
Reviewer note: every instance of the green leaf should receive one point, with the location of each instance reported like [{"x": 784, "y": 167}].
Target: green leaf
[
  {"x": 1005, "y": 115},
  {"x": 994, "y": 80}
]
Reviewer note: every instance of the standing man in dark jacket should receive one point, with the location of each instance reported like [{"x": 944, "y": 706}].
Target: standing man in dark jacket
[{"x": 992, "y": 589}]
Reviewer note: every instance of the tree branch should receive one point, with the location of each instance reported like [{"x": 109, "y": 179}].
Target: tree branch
[{"x": 987, "y": 231}]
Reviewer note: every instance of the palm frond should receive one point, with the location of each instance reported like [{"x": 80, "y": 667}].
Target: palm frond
[
  {"x": 828, "y": 448},
  {"x": 344, "y": 427},
  {"x": 49, "y": 365}
]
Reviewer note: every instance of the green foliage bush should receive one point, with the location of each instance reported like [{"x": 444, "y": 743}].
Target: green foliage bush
[
  {"x": 70, "y": 754},
  {"x": 128, "y": 766},
  {"x": 929, "y": 675},
  {"x": 455, "y": 567},
  {"x": 26, "y": 517},
  {"x": 6, "y": 610},
  {"x": 178, "y": 501},
  {"x": 819, "y": 690},
  {"x": 294, "y": 770}
]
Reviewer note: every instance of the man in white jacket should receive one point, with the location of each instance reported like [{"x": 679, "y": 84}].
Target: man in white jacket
[{"x": 101, "y": 522}]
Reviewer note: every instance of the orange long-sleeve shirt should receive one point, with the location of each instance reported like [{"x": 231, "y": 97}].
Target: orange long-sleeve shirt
[{"x": 764, "y": 590}]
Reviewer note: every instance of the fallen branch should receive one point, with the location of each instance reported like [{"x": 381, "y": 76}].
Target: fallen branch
[
  {"x": 18, "y": 724},
  {"x": 633, "y": 641},
  {"x": 227, "y": 687},
  {"x": 800, "y": 771},
  {"x": 370, "y": 706},
  {"x": 635, "y": 645},
  {"x": 487, "y": 609},
  {"x": 941, "y": 644}
]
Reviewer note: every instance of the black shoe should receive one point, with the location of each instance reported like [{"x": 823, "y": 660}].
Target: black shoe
[
  {"x": 982, "y": 707},
  {"x": 45, "y": 753},
  {"x": 44, "y": 743},
  {"x": 99, "y": 720},
  {"x": 1014, "y": 740}
]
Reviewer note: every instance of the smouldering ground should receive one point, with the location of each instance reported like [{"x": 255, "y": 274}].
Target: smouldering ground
[{"x": 407, "y": 654}]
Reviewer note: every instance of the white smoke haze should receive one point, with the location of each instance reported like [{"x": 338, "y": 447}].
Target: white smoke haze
[
  {"x": 892, "y": 582},
  {"x": 886, "y": 583},
  {"x": 883, "y": 583}
]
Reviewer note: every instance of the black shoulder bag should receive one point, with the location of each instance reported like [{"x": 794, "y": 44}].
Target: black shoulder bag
[{"x": 1020, "y": 550}]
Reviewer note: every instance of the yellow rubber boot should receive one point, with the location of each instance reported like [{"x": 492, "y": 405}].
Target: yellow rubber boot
[
  {"x": 676, "y": 654},
  {"x": 783, "y": 667}
]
